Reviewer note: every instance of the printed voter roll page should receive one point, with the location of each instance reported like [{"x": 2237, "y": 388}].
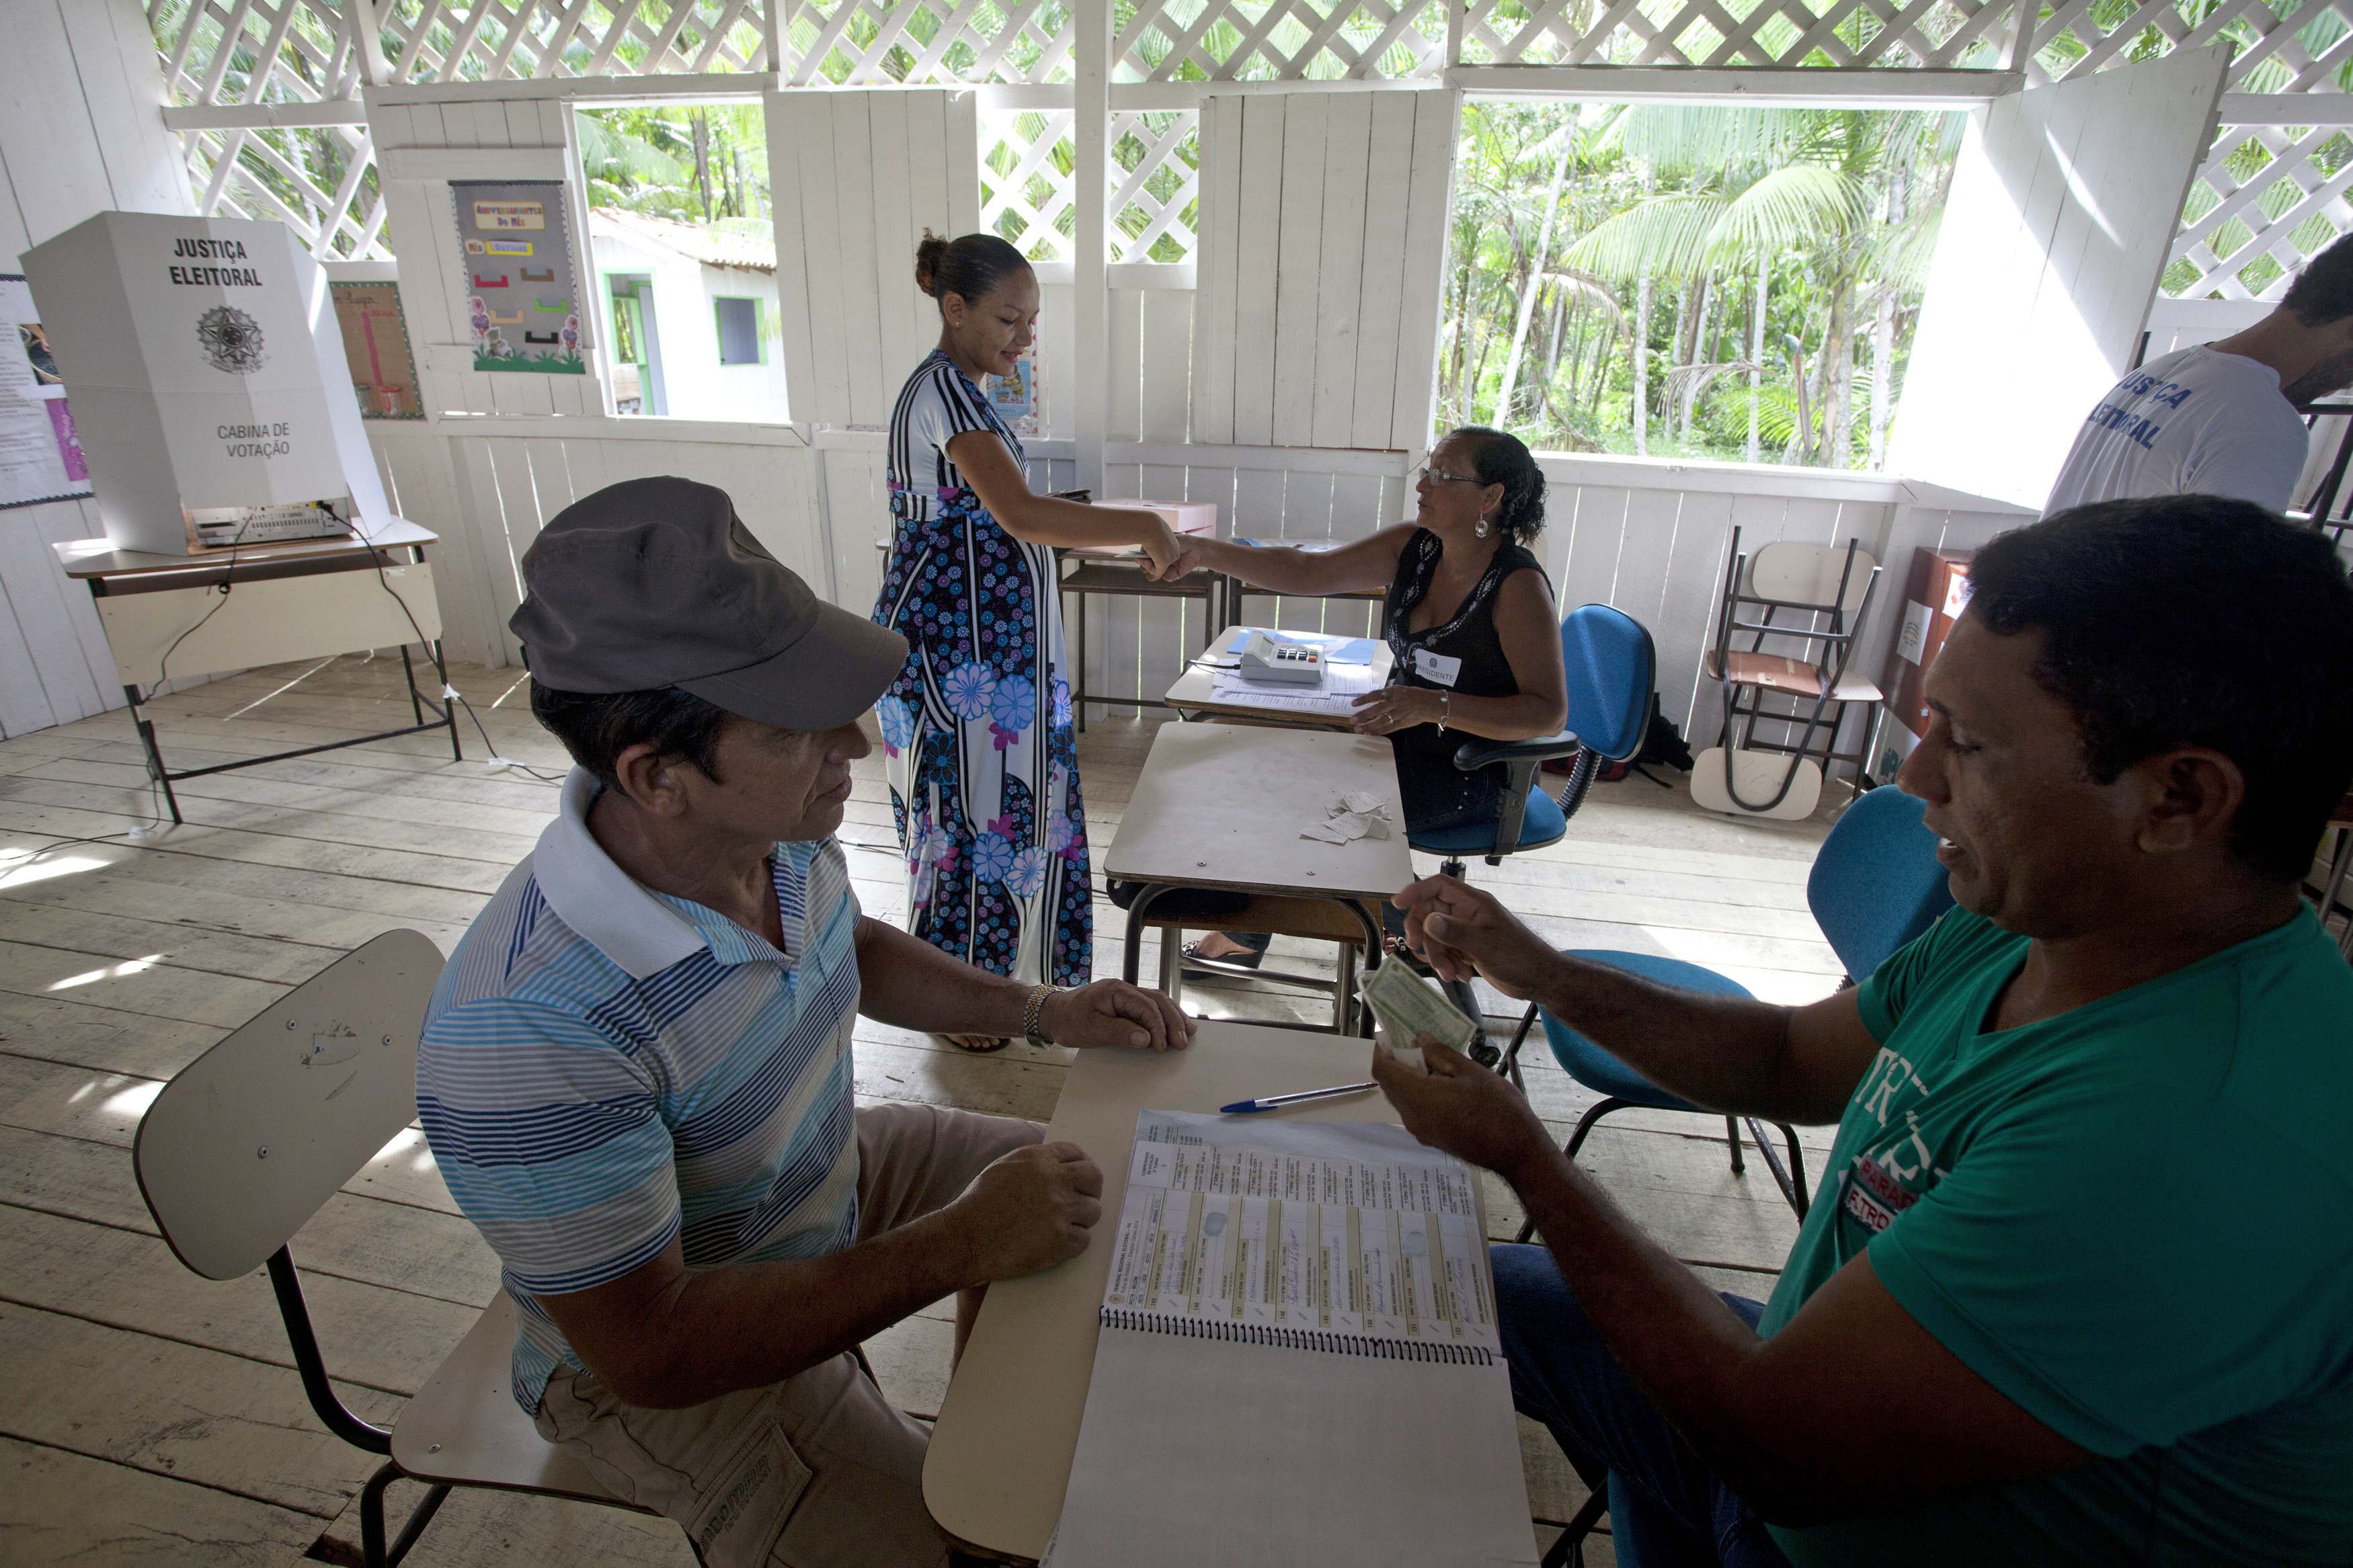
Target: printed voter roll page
[{"x": 1298, "y": 1362}]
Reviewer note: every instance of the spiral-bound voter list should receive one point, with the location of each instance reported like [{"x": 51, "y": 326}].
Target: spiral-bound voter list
[
  {"x": 1302, "y": 1237},
  {"x": 1298, "y": 1365}
]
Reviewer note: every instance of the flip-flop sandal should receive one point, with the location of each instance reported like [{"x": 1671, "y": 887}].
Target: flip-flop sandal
[
  {"x": 1222, "y": 965},
  {"x": 977, "y": 1045}
]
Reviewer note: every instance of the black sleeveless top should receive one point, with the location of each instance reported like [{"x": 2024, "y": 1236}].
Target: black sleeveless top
[{"x": 1437, "y": 793}]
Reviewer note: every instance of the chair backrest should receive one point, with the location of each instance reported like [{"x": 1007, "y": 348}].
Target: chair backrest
[
  {"x": 1612, "y": 676},
  {"x": 1877, "y": 883},
  {"x": 249, "y": 1139},
  {"x": 1791, "y": 572}
]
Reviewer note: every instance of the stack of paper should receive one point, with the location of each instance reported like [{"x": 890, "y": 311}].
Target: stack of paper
[{"x": 1342, "y": 685}]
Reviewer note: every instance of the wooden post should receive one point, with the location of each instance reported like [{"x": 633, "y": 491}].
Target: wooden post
[{"x": 1091, "y": 294}]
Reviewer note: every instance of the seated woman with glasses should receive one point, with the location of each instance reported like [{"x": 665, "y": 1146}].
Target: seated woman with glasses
[{"x": 1469, "y": 619}]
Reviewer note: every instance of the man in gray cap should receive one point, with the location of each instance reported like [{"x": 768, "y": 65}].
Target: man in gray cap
[{"x": 635, "y": 1074}]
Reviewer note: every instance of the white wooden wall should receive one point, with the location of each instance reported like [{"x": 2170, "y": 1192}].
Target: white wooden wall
[
  {"x": 424, "y": 137},
  {"x": 1651, "y": 538},
  {"x": 1321, "y": 237},
  {"x": 80, "y": 134},
  {"x": 856, "y": 178}
]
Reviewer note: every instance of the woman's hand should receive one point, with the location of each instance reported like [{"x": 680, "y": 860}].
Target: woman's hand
[
  {"x": 1189, "y": 561},
  {"x": 1395, "y": 707},
  {"x": 1161, "y": 547}
]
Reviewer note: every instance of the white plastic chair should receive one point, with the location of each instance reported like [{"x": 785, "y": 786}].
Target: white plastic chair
[{"x": 247, "y": 1143}]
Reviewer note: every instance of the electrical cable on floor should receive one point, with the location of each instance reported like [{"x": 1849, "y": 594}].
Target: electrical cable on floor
[
  {"x": 449, "y": 692},
  {"x": 9, "y": 867}
]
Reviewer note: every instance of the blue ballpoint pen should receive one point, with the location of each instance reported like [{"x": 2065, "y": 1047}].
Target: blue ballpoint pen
[{"x": 1276, "y": 1101}]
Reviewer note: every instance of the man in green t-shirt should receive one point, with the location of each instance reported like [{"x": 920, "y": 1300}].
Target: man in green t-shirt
[{"x": 2077, "y": 1285}]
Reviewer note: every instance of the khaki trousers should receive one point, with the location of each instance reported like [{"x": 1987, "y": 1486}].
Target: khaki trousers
[{"x": 817, "y": 1472}]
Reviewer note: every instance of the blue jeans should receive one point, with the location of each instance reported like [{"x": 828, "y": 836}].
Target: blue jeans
[{"x": 1666, "y": 1508}]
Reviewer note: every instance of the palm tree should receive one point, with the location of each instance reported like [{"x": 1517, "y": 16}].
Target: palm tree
[{"x": 1829, "y": 197}]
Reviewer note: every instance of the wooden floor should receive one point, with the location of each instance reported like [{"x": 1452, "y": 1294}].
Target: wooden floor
[{"x": 154, "y": 1417}]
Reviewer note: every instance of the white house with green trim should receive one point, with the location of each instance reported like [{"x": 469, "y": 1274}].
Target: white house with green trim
[{"x": 688, "y": 318}]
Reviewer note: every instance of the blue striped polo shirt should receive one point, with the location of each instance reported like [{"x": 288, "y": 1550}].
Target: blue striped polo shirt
[{"x": 605, "y": 1067}]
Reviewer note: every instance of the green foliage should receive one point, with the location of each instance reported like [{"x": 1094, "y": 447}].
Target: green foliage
[
  {"x": 1819, "y": 218},
  {"x": 701, "y": 163}
]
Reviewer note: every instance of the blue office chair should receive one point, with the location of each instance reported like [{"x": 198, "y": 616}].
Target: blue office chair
[
  {"x": 1612, "y": 673},
  {"x": 1875, "y": 885},
  {"x": 1612, "y": 676}
]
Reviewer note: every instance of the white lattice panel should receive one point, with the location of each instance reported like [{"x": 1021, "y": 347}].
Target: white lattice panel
[
  {"x": 255, "y": 51},
  {"x": 1154, "y": 177},
  {"x": 321, "y": 182},
  {"x": 2289, "y": 46},
  {"x": 2269, "y": 196},
  {"x": 1833, "y": 33},
  {"x": 852, "y": 43},
  {"x": 485, "y": 40},
  {"x": 1027, "y": 189},
  {"x": 1256, "y": 40}
]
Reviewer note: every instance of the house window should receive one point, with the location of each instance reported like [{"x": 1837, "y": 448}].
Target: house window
[
  {"x": 739, "y": 330},
  {"x": 1693, "y": 280}
]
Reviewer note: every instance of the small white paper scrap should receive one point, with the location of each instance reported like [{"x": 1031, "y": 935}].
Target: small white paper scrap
[{"x": 1359, "y": 813}]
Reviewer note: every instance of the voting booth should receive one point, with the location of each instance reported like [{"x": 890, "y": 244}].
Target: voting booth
[{"x": 207, "y": 376}]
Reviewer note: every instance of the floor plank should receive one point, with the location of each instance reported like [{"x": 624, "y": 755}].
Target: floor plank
[
  {"x": 58, "y": 1507},
  {"x": 172, "y": 1409},
  {"x": 375, "y": 1335}
]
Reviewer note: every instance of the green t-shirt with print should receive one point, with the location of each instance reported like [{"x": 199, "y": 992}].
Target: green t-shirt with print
[{"x": 2134, "y": 1219}]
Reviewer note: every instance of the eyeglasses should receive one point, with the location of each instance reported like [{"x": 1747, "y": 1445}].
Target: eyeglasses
[{"x": 1440, "y": 476}]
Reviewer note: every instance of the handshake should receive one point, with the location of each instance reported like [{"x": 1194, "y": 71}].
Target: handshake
[{"x": 1170, "y": 555}]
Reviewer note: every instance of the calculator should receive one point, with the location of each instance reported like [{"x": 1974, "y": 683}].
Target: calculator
[{"x": 1281, "y": 663}]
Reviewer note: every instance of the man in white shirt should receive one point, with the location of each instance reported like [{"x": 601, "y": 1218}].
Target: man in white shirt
[{"x": 2221, "y": 419}]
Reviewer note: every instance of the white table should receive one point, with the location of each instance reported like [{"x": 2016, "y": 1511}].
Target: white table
[
  {"x": 1221, "y": 806},
  {"x": 1195, "y": 690},
  {"x": 1000, "y": 1455},
  {"x": 167, "y": 615}
]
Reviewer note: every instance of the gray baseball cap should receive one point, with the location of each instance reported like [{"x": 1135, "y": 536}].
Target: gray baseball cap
[{"x": 655, "y": 582}]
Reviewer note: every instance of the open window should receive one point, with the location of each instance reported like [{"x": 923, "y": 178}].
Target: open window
[
  {"x": 1712, "y": 279},
  {"x": 683, "y": 240},
  {"x": 1816, "y": 271}
]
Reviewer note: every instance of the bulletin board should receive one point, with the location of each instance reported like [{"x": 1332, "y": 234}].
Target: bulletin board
[
  {"x": 521, "y": 284},
  {"x": 40, "y": 452},
  {"x": 376, "y": 345}
]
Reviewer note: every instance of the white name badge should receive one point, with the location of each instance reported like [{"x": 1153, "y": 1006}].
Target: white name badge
[{"x": 1436, "y": 667}]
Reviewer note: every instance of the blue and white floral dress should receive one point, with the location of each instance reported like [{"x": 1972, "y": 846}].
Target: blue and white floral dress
[{"x": 976, "y": 733}]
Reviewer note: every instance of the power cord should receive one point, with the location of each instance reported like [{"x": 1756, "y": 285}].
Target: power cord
[
  {"x": 162, "y": 678},
  {"x": 449, "y": 692},
  {"x": 227, "y": 581},
  {"x": 11, "y": 863}
]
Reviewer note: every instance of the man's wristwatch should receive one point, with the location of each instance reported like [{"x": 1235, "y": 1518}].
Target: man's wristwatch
[{"x": 1033, "y": 1014}]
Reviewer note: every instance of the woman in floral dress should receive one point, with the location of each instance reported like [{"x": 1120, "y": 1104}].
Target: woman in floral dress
[{"x": 977, "y": 732}]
